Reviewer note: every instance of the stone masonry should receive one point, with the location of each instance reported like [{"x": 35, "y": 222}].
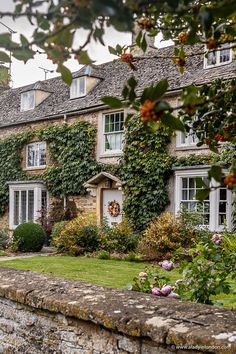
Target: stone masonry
[{"x": 43, "y": 314}]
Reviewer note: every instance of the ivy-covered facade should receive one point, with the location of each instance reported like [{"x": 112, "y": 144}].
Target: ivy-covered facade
[{"x": 57, "y": 142}]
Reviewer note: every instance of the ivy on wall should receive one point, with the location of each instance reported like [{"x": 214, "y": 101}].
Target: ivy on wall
[
  {"x": 10, "y": 164},
  {"x": 72, "y": 153},
  {"x": 144, "y": 170}
]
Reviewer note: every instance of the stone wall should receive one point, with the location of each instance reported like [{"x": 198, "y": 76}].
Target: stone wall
[{"x": 42, "y": 314}]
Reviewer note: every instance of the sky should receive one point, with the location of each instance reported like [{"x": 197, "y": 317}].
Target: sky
[{"x": 24, "y": 74}]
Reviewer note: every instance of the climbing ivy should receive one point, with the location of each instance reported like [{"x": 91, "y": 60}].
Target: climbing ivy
[
  {"x": 72, "y": 153},
  {"x": 144, "y": 170},
  {"x": 10, "y": 164}
]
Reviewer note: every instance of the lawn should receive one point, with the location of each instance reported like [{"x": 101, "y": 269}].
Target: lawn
[{"x": 111, "y": 273}]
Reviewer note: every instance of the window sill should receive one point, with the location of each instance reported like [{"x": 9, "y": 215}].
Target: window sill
[
  {"x": 111, "y": 154},
  {"x": 190, "y": 147},
  {"x": 35, "y": 168}
]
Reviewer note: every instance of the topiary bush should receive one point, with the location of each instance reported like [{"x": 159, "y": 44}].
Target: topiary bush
[
  {"x": 166, "y": 234},
  {"x": 120, "y": 238},
  {"x": 28, "y": 237},
  {"x": 79, "y": 235}
]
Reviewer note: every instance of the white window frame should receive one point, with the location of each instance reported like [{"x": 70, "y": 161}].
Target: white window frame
[
  {"x": 25, "y": 187},
  {"x": 24, "y": 96},
  {"x": 37, "y": 146},
  {"x": 74, "y": 93},
  {"x": 213, "y": 198},
  {"x": 218, "y": 63},
  {"x": 188, "y": 139},
  {"x": 114, "y": 151}
]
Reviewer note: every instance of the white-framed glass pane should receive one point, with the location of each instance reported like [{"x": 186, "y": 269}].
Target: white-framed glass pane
[
  {"x": 16, "y": 208},
  {"x": 211, "y": 58},
  {"x": 27, "y": 100},
  {"x": 36, "y": 154},
  {"x": 222, "y": 213},
  {"x": 31, "y": 205},
  {"x": 77, "y": 88},
  {"x": 113, "y": 131},
  {"x": 224, "y": 55},
  {"x": 188, "y": 201},
  {"x": 23, "y": 206}
]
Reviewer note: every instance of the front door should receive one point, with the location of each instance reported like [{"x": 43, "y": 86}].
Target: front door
[{"x": 112, "y": 206}]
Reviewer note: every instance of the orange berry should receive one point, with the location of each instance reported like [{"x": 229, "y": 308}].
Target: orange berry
[
  {"x": 211, "y": 43},
  {"x": 183, "y": 37},
  {"x": 219, "y": 137},
  {"x": 146, "y": 23},
  {"x": 230, "y": 180},
  {"x": 179, "y": 61},
  {"x": 126, "y": 57}
]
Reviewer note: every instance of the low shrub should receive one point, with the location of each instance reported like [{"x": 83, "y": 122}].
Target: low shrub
[
  {"x": 28, "y": 237},
  {"x": 212, "y": 264},
  {"x": 120, "y": 238},
  {"x": 133, "y": 257},
  {"x": 104, "y": 255},
  {"x": 166, "y": 234},
  {"x": 56, "y": 229},
  {"x": 3, "y": 239},
  {"x": 79, "y": 235}
]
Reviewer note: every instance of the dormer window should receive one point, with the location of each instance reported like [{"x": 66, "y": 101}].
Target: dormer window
[
  {"x": 218, "y": 57},
  {"x": 27, "y": 100},
  {"x": 77, "y": 88}
]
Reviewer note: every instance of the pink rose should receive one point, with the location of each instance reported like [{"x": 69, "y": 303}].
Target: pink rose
[
  {"x": 156, "y": 292},
  {"x": 166, "y": 290}
]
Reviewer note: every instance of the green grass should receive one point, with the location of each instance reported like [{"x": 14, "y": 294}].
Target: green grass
[{"x": 111, "y": 273}]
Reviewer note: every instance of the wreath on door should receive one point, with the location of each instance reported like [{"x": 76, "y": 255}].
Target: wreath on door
[{"x": 114, "y": 208}]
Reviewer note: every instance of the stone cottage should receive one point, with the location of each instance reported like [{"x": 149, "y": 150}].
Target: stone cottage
[{"x": 52, "y": 102}]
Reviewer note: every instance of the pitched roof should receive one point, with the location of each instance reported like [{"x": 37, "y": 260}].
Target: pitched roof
[{"x": 113, "y": 76}]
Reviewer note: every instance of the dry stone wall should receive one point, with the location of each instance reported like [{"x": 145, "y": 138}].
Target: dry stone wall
[{"x": 43, "y": 314}]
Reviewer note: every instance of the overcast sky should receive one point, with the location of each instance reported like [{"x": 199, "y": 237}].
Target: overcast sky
[{"x": 23, "y": 74}]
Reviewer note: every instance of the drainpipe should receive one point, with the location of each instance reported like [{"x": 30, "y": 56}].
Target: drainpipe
[{"x": 65, "y": 118}]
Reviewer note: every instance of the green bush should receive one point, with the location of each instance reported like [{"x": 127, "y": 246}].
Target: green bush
[
  {"x": 79, "y": 235},
  {"x": 3, "y": 239},
  {"x": 166, "y": 234},
  {"x": 28, "y": 237},
  {"x": 120, "y": 238},
  {"x": 56, "y": 229}
]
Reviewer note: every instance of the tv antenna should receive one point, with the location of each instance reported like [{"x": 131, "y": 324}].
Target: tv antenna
[
  {"x": 11, "y": 32},
  {"x": 46, "y": 71}
]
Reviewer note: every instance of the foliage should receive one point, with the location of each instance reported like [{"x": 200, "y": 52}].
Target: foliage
[
  {"x": 133, "y": 257},
  {"x": 71, "y": 148},
  {"x": 208, "y": 272},
  {"x": 28, "y": 237},
  {"x": 10, "y": 162},
  {"x": 120, "y": 238},
  {"x": 149, "y": 279},
  {"x": 166, "y": 234},
  {"x": 79, "y": 235},
  {"x": 145, "y": 166},
  {"x": 104, "y": 255},
  {"x": 4, "y": 238},
  {"x": 56, "y": 229}
]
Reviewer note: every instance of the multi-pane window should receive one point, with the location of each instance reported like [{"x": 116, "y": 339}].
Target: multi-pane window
[
  {"x": 23, "y": 206},
  {"x": 113, "y": 131},
  {"x": 36, "y": 155},
  {"x": 189, "y": 202},
  {"x": 27, "y": 100},
  {"x": 26, "y": 202},
  {"x": 187, "y": 139},
  {"x": 219, "y": 57},
  {"x": 215, "y": 210},
  {"x": 77, "y": 88}
]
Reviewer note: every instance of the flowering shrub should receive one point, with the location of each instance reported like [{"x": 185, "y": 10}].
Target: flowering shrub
[
  {"x": 212, "y": 264},
  {"x": 166, "y": 234},
  {"x": 120, "y": 238},
  {"x": 79, "y": 235},
  {"x": 153, "y": 283}
]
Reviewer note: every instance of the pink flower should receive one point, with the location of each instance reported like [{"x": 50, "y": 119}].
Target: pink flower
[
  {"x": 217, "y": 238},
  {"x": 166, "y": 290},
  {"x": 167, "y": 265},
  {"x": 173, "y": 296},
  {"x": 156, "y": 291}
]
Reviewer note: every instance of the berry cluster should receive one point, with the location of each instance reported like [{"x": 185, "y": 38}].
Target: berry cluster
[
  {"x": 230, "y": 180},
  {"x": 146, "y": 23},
  {"x": 183, "y": 37},
  {"x": 147, "y": 111},
  {"x": 126, "y": 58}
]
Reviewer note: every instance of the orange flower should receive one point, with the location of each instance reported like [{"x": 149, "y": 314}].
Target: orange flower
[
  {"x": 219, "y": 137},
  {"x": 230, "y": 180}
]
